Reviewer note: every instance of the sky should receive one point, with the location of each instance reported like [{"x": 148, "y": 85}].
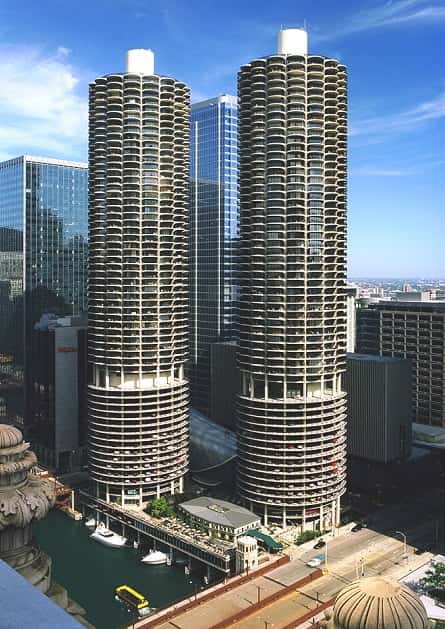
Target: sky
[{"x": 394, "y": 50}]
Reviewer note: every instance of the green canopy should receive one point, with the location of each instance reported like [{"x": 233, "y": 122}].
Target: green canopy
[{"x": 267, "y": 540}]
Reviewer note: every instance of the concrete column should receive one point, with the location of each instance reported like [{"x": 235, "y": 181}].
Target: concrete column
[
  {"x": 181, "y": 485},
  {"x": 265, "y": 515},
  {"x": 321, "y": 518},
  {"x": 284, "y": 517}
]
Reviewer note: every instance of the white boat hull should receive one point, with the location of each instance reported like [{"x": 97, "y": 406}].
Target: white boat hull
[
  {"x": 113, "y": 541},
  {"x": 155, "y": 558}
]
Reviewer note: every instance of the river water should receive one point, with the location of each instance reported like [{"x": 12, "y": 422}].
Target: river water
[{"x": 91, "y": 571}]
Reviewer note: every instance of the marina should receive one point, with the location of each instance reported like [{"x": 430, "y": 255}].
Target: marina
[
  {"x": 91, "y": 572},
  {"x": 173, "y": 536}
]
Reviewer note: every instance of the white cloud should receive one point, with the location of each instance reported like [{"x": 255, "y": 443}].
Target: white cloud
[
  {"x": 391, "y": 13},
  {"x": 378, "y": 172},
  {"x": 41, "y": 109},
  {"x": 381, "y": 126}
]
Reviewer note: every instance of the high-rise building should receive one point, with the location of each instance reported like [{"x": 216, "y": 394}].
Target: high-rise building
[
  {"x": 379, "y": 407},
  {"x": 351, "y": 317},
  {"x": 58, "y": 391},
  {"x": 413, "y": 330},
  {"x": 291, "y": 424},
  {"x": 138, "y": 280},
  {"x": 214, "y": 237},
  {"x": 43, "y": 259}
]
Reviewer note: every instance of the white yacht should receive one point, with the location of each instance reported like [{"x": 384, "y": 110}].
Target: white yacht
[
  {"x": 107, "y": 537},
  {"x": 90, "y": 523},
  {"x": 155, "y": 558}
]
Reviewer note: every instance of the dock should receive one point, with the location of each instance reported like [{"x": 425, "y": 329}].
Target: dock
[{"x": 216, "y": 554}]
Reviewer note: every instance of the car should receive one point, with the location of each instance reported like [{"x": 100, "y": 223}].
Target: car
[
  {"x": 357, "y": 527},
  {"x": 320, "y": 544},
  {"x": 315, "y": 562},
  {"x": 419, "y": 551}
]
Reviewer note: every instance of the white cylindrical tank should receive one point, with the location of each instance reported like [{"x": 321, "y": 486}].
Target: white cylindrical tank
[
  {"x": 292, "y": 41},
  {"x": 141, "y": 61}
]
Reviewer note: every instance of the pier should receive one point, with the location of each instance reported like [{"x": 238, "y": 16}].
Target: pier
[{"x": 216, "y": 554}]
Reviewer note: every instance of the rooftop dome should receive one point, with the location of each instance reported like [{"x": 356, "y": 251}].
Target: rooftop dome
[
  {"x": 376, "y": 602},
  {"x": 9, "y": 436}
]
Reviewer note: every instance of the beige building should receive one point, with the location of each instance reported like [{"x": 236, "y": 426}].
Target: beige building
[
  {"x": 292, "y": 341},
  {"x": 137, "y": 302}
]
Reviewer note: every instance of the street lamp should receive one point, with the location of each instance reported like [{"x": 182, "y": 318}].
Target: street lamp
[{"x": 405, "y": 555}]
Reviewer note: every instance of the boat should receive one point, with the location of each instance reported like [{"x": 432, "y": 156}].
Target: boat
[
  {"x": 134, "y": 599},
  {"x": 90, "y": 523},
  {"x": 135, "y": 544},
  {"x": 107, "y": 537},
  {"x": 155, "y": 558}
]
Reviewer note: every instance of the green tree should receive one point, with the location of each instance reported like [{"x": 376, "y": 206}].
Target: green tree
[
  {"x": 306, "y": 536},
  {"x": 159, "y": 508},
  {"x": 434, "y": 580}
]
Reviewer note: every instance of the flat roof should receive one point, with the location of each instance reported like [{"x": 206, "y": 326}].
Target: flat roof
[
  {"x": 223, "y": 98},
  {"x": 220, "y": 512},
  {"x": 51, "y": 161},
  {"x": 26, "y": 607},
  {"x": 407, "y": 305},
  {"x": 374, "y": 358}
]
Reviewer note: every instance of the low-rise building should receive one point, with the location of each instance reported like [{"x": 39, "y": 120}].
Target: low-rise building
[
  {"x": 246, "y": 554},
  {"x": 219, "y": 517}
]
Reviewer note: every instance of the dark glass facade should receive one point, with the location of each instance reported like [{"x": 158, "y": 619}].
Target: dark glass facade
[
  {"x": 214, "y": 236},
  {"x": 43, "y": 258}
]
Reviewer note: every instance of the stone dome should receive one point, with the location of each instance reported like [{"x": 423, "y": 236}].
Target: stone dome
[
  {"x": 9, "y": 436},
  {"x": 378, "y": 603}
]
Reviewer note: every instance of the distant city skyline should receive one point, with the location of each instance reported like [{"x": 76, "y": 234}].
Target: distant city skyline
[{"x": 393, "y": 50}]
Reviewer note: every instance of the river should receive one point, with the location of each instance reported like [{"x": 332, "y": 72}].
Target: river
[{"x": 90, "y": 572}]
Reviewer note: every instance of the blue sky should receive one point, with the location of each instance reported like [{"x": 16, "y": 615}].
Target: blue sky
[{"x": 394, "y": 51}]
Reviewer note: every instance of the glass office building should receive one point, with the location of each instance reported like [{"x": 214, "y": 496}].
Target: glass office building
[
  {"x": 214, "y": 236},
  {"x": 43, "y": 258}
]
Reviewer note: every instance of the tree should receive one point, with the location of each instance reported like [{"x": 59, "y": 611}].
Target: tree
[
  {"x": 434, "y": 580},
  {"x": 306, "y": 536},
  {"x": 159, "y": 508}
]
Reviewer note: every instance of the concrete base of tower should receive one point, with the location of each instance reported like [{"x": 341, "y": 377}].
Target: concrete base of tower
[
  {"x": 138, "y": 496},
  {"x": 323, "y": 517}
]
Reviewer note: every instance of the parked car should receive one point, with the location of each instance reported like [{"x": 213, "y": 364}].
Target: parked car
[
  {"x": 320, "y": 544},
  {"x": 315, "y": 562}
]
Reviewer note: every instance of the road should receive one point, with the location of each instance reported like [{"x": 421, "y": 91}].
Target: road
[{"x": 367, "y": 552}]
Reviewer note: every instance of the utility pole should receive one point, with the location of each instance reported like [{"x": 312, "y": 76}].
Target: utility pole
[
  {"x": 259, "y": 593},
  {"x": 405, "y": 554}
]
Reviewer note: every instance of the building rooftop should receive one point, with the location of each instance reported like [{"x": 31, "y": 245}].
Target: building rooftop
[
  {"x": 223, "y": 98},
  {"x": 377, "y": 603},
  {"x": 219, "y": 512},
  {"x": 26, "y": 607},
  {"x": 37, "y": 159},
  {"x": 407, "y": 305},
  {"x": 373, "y": 358}
]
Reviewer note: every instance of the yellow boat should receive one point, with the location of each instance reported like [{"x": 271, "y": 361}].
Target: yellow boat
[{"x": 129, "y": 596}]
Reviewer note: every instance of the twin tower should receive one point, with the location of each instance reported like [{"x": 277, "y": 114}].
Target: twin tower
[{"x": 292, "y": 335}]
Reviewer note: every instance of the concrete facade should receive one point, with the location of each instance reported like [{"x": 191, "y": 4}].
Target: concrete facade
[
  {"x": 379, "y": 407},
  {"x": 292, "y": 344},
  {"x": 413, "y": 330}
]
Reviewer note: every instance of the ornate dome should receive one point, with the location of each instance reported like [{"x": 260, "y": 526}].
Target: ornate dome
[
  {"x": 378, "y": 603},
  {"x": 9, "y": 436}
]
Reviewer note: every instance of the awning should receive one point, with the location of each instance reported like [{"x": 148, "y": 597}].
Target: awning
[{"x": 267, "y": 540}]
